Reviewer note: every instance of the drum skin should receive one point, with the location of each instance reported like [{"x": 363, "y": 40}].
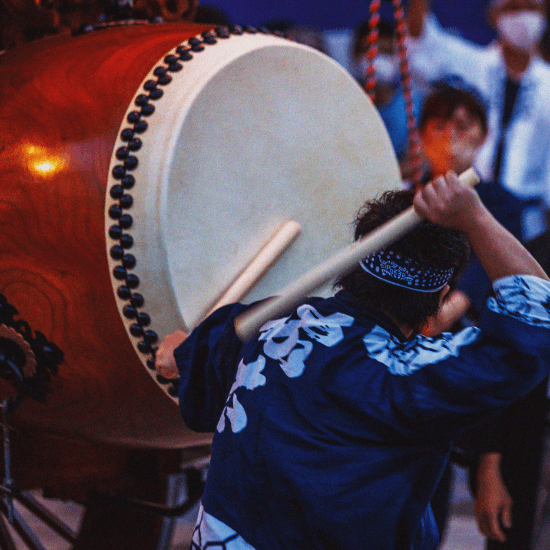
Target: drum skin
[
  {"x": 69, "y": 235},
  {"x": 63, "y": 100}
]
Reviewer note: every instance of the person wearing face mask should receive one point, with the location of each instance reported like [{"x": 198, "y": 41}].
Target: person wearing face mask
[
  {"x": 516, "y": 85},
  {"x": 389, "y": 99},
  {"x": 453, "y": 126}
]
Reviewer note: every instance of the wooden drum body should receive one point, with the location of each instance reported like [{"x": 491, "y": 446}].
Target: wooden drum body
[{"x": 141, "y": 168}]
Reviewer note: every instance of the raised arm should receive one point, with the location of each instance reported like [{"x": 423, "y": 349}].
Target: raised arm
[
  {"x": 416, "y": 11},
  {"x": 447, "y": 202}
]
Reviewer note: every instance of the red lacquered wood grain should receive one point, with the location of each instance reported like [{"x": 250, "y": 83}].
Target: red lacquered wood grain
[{"x": 62, "y": 101}]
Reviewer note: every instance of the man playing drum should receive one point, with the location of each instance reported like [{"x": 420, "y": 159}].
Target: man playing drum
[{"x": 333, "y": 425}]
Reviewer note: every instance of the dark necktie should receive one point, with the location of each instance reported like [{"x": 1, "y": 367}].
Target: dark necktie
[{"x": 510, "y": 94}]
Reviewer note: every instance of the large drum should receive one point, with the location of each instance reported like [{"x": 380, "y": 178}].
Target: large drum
[{"x": 142, "y": 169}]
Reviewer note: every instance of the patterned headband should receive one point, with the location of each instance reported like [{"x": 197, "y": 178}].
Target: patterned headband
[{"x": 397, "y": 270}]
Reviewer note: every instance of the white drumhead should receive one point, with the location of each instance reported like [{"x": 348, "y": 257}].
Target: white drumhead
[{"x": 254, "y": 131}]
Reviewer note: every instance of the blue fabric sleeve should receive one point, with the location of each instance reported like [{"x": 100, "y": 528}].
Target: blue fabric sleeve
[
  {"x": 507, "y": 359},
  {"x": 523, "y": 297},
  {"x": 207, "y": 362}
]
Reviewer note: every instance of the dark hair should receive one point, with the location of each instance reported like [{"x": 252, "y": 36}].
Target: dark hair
[
  {"x": 446, "y": 97},
  {"x": 429, "y": 244},
  {"x": 385, "y": 30},
  {"x": 211, "y": 15}
]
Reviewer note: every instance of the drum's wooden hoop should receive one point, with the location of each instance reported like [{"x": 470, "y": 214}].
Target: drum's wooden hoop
[{"x": 312, "y": 134}]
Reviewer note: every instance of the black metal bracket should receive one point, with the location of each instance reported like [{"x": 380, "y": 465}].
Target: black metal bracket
[
  {"x": 9, "y": 493},
  {"x": 195, "y": 488}
]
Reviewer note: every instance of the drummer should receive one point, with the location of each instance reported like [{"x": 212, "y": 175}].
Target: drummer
[{"x": 333, "y": 425}]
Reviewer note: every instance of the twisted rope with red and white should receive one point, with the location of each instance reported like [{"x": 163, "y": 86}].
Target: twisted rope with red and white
[
  {"x": 372, "y": 52},
  {"x": 414, "y": 148}
]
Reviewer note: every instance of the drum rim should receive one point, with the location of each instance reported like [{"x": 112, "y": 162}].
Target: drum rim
[
  {"x": 119, "y": 240},
  {"x": 119, "y": 200}
]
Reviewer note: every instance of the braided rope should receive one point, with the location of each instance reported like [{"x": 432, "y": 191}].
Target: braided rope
[
  {"x": 414, "y": 148},
  {"x": 372, "y": 51},
  {"x": 414, "y": 137}
]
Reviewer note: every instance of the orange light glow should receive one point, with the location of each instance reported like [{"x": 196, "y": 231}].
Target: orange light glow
[{"x": 41, "y": 161}]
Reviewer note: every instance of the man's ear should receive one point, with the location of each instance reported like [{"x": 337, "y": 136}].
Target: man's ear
[{"x": 443, "y": 294}]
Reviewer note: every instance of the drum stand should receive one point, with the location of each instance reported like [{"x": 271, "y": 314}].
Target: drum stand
[
  {"x": 20, "y": 350},
  {"x": 11, "y": 493},
  {"x": 195, "y": 486}
]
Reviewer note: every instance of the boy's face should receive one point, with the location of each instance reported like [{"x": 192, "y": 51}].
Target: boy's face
[{"x": 451, "y": 144}]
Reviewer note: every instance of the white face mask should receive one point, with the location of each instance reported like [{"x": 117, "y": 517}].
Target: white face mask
[
  {"x": 522, "y": 29},
  {"x": 386, "y": 68}
]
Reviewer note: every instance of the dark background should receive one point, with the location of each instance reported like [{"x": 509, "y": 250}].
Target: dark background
[{"x": 466, "y": 17}]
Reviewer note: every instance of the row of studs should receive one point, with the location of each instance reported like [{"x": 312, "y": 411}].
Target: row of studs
[{"x": 122, "y": 173}]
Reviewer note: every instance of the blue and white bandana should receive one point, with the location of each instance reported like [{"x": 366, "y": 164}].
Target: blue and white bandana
[{"x": 395, "y": 269}]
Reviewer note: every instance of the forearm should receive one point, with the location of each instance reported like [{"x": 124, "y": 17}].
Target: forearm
[
  {"x": 447, "y": 202},
  {"x": 416, "y": 11},
  {"x": 489, "y": 462},
  {"x": 493, "y": 505}
]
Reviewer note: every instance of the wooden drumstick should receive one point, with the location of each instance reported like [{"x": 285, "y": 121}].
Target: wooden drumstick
[
  {"x": 264, "y": 259},
  {"x": 248, "y": 323}
]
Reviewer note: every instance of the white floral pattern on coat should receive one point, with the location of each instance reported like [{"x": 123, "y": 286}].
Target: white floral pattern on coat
[
  {"x": 524, "y": 297},
  {"x": 250, "y": 377},
  {"x": 403, "y": 358},
  {"x": 212, "y": 533},
  {"x": 283, "y": 343}
]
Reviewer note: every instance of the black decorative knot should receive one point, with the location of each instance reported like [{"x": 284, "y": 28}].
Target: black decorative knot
[
  {"x": 20, "y": 346},
  {"x": 222, "y": 32}
]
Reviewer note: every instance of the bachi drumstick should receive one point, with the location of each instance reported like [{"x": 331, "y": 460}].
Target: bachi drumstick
[
  {"x": 262, "y": 261},
  {"x": 248, "y": 323}
]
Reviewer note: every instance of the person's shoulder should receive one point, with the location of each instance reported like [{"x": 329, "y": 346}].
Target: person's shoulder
[
  {"x": 540, "y": 70},
  {"x": 538, "y": 79}
]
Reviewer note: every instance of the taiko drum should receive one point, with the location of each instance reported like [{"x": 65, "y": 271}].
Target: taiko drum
[{"x": 142, "y": 168}]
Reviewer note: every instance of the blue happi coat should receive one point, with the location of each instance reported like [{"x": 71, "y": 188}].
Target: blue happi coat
[{"x": 332, "y": 428}]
